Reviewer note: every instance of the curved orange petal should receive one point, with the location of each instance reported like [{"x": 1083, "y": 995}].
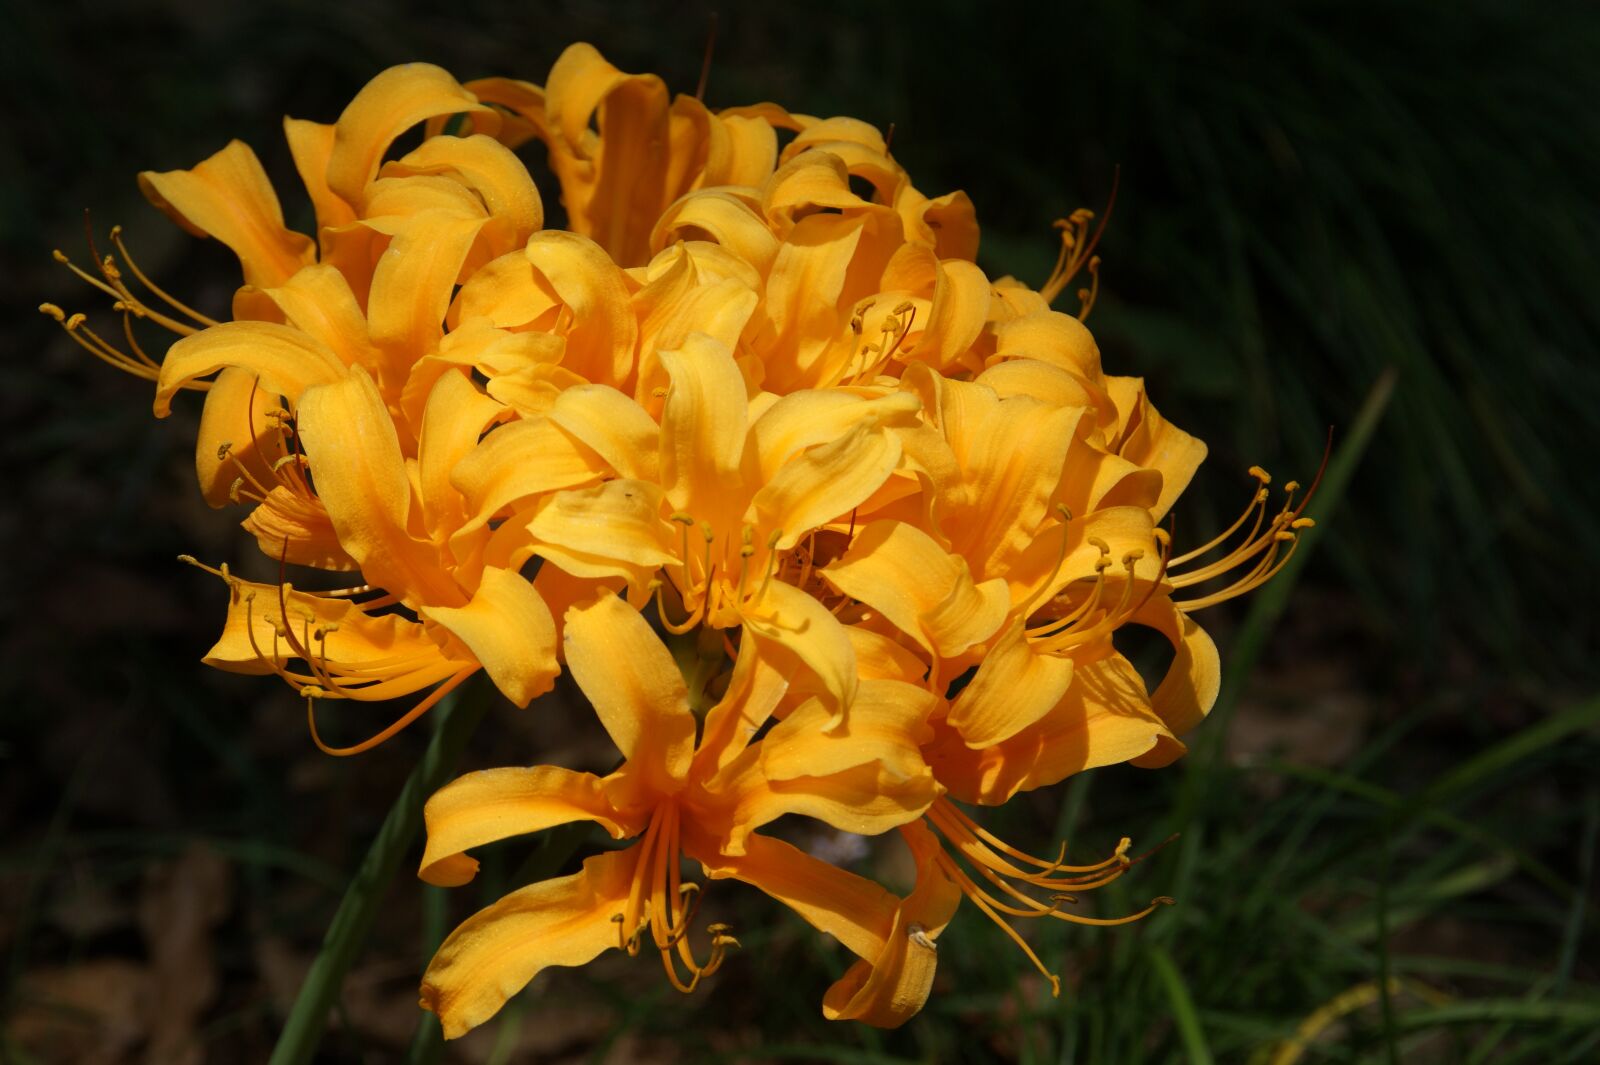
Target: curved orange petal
[
  {"x": 235, "y": 431},
  {"x": 495, "y": 804},
  {"x": 493, "y": 955},
  {"x": 229, "y": 197},
  {"x": 888, "y": 989},
  {"x": 928, "y": 593},
  {"x": 508, "y": 628},
  {"x": 354, "y": 451},
  {"x": 286, "y": 360},
  {"x": 702, "y": 428},
  {"x": 386, "y": 107},
  {"x": 637, "y": 691}
]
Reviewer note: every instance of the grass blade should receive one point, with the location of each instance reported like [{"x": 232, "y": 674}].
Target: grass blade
[{"x": 352, "y": 922}]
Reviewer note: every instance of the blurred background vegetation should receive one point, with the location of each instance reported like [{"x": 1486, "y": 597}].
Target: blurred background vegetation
[{"x": 1388, "y": 829}]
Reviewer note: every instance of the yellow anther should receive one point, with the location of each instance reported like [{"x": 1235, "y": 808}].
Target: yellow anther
[
  {"x": 1260, "y": 474},
  {"x": 681, "y": 518},
  {"x": 53, "y": 311},
  {"x": 1291, "y": 487},
  {"x": 1303, "y": 523}
]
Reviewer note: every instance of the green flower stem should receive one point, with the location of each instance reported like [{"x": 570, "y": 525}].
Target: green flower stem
[{"x": 456, "y": 718}]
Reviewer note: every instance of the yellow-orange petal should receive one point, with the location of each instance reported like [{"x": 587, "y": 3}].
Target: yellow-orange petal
[
  {"x": 311, "y": 144},
  {"x": 229, "y": 197},
  {"x": 509, "y": 630},
  {"x": 457, "y": 414},
  {"x": 235, "y": 432},
  {"x": 518, "y": 461},
  {"x": 702, "y": 428},
  {"x": 825, "y": 483},
  {"x": 1013, "y": 688},
  {"x": 495, "y": 804},
  {"x": 614, "y": 426},
  {"x": 888, "y": 989},
  {"x": 293, "y": 528},
  {"x": 1194, "y": 678},
  {"x": 487, "y": 167},
  {"x": 854, "y": 910},
  {"x": 286, "y": 361},
  {"x": 493, "y": 955},
  {"x": 887, "y": 725},
  {"x": 1103, "y": 719},
  {"x": 361, "y": 478},
  {"x": 386, "y": 107},
  {"x": 319, "y": 302},
  {"x": 638, "y": 693},
  {"x": 603, "y": 332},
  {"x": 791, "y": 624},
  {"x": 617, "y": 521},
  {"x": 928, "y": 593}
]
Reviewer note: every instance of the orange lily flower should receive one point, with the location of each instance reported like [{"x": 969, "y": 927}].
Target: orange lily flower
[
  {"x": 679, "y": 794},
  {"x": 722, "y": 503}
]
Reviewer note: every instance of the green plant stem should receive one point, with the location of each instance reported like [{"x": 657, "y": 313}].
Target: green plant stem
[{"x": 352, "y": 923}]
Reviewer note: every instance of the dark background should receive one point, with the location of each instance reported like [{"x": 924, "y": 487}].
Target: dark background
[{"x": 1398, "y": 791}]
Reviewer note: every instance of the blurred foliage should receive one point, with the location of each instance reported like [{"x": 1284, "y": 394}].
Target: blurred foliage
[{"x": 1394, "y": 814}]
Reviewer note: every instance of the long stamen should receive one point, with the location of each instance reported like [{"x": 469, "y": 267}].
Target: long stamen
[
  {"x": 1261, "y": 548},
  {"x": 1077, "y": 245},
  {"x": 1002, "y": 866},
  {"x": 156, "y": 290},
  {"x": 1061, "y": 556}
]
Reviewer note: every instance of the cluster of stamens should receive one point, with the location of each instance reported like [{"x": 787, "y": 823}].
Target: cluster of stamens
[
  {"x": 872, "y": 356},
  {"x": 128, "y": 304},
  {"x": 1265, "y": 549},
  {"x": 704, "y": 597},
  {"x": 1005, "y": 868},
  {"x": 1077, "y": 254},
  {"x": 368, "y": 681},
  {"x": 660, "y": 902}
]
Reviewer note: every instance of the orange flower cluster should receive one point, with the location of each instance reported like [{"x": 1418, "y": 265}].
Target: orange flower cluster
[{"x": 756, "y": 399}]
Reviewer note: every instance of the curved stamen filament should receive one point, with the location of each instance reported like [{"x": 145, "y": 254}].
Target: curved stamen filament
[
  {"x": 658, "y": 900},
  {"x": 993, "y": 863},
  {"x": 1261, "y": 547},
  {"x": 394, "y": 729},
  {"x": 945, "y": 809},
  {"x": 1061, "y": 556},
  {"x": 156, "y": 290},
  {"x": 1077, "y": 245}
]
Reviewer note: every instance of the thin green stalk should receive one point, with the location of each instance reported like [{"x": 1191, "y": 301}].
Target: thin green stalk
[
  {"x": 347, "y": 933},
  {"x": 1196, "y": 1049}
]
